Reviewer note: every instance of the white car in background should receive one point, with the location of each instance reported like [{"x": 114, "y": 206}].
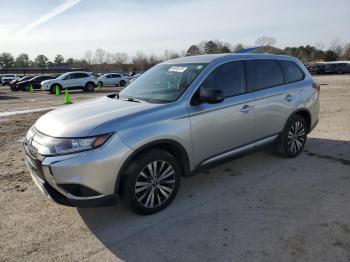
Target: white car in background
[
  {"x": 7, "y": 78},
  {"x": 133, "y": 77},
  {"x": 71, "y": 80},
  {"x": 113, "y": 79}
]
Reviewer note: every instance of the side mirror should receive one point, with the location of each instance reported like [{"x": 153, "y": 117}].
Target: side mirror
[{"x": 211, "y": 96}]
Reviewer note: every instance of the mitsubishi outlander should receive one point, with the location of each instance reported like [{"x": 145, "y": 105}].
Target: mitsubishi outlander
[{"x": 180, "y": 116}]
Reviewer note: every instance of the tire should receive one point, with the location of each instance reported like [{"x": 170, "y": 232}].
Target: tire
[
  {"x": 14, "y": 88},
  {"x": 340, "y": 72},
  {"x": 293, "y": 138},
  {"x": 122, "y": 83},
  {"x": 146, "y": 194},
  {"x": 53, "y": 88},
  {"x": 89, "y": 87}
]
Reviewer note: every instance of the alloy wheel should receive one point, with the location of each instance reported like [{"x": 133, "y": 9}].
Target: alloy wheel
[
  {"x": 155, "y": 184},
  {"x": 296, "y": 137}
]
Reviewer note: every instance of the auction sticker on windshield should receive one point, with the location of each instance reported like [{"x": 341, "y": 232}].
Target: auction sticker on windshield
[{"x": 179, "y": 69}]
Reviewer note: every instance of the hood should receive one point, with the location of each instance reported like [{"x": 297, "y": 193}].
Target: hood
[
  {"x": 46, "y": 81},
  {"x": 79, "y": 120}
]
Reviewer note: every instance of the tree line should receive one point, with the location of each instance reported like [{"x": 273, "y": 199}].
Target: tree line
[{"x": 104, "y": 61}]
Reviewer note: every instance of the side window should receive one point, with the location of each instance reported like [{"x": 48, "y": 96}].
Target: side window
[
  {"x": 267, "y": 73},
  {"x": 114, "y": 75},
  {"x": 229, "y": 77},
  {"x": 82, "y": 75},
  {"x": 291, "y": 71},
  {"x": 69, "y": 76}
]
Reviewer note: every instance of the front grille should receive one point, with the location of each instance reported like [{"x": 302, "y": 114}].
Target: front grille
[{"x": 34, "y": 163}]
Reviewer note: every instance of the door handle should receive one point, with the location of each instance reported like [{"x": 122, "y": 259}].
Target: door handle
[
  {"x": 289, "y": 98},
  {"x": 246, "y": 108}
]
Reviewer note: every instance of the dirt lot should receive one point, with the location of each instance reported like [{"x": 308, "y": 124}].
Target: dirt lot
[{"x": 257, "y": 208}]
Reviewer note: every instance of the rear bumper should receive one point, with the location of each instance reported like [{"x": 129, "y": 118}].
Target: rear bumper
[{"x": 313, "y": 126}]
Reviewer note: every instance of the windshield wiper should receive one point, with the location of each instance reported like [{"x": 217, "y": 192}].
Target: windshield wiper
[
  {"x": 132, "y": 99},
  {"x": 116, "y": 95}
]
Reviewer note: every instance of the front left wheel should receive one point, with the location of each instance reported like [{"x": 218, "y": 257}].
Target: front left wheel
[
  {"x": 122, "y": 83},
  {"x": 89, "y": 87},
  {"x": 151, "y": 181}
]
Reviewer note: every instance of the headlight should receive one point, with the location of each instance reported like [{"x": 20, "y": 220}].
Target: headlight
[{"x": 59, "y": 146}]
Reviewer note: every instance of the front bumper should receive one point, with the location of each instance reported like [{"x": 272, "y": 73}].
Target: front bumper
[
  {"x": 45, "y": 87},
  {"x": 56, "y": 196},
  {"x": 82, "y": 179}
]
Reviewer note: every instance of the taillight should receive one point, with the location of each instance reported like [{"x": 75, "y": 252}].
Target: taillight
[{"x": 316, "y": 86}]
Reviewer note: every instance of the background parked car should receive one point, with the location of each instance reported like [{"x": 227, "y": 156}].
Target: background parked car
[
  {"x": 114, "y": 79},
  {"x": 318, "y": 69},
  {"x": 34, "y": 81},
  {"x": 13, "y": 83},
  {"x": 342, "y": 68},
  {"x": 330, "y": 68},
  {"x": 132, "y": 77},
  {"x": 71, "y": 80},
  {"x": 7, "y": 78}
]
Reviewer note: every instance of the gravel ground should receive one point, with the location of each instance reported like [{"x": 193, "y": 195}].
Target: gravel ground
[
  {"x": 257, "y": 208},
  {"x": 13, "y": 101}
]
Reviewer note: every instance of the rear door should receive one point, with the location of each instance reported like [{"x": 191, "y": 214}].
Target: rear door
[
  {"x": 36, "y": 82},
  {"x": 275, "y": 99},
  {"x": 80, "y": 79}
]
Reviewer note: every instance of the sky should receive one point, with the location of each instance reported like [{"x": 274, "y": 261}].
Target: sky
[{"x": 71, "y": 27}]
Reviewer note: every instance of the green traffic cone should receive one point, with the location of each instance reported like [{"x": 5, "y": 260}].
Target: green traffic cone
[
  {"x": 31, "y": 89},
  {"x": 58, "y": 91},
  {"x": 66, "y": 97}
]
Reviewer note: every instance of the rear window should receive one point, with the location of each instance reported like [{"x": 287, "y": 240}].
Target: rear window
[
  {"x": 291, "y": 71},
  {"x": 267, "y": 73}
]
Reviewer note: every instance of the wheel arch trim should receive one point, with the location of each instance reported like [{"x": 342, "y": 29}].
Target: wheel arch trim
[
  {"x": 183, "y": 158},
  {"x": 301, "y": 112}
]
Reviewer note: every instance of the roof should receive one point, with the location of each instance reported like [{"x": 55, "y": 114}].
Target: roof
[{"x": 206, "y": 59}]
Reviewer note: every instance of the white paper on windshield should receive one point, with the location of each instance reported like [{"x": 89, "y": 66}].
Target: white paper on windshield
[{"x": 179, "y": 69}]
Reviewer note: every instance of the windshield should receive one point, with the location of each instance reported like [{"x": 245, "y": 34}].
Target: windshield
[
  {"x": 163, "y": 83},
  {"x": 25, "y": 78},
  {"x": 63, "y": 75}
]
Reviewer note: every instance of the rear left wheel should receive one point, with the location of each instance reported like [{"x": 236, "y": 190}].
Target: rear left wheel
[
  {"x": 151, "y": 181},
  {"x": 293, "y": 138}
]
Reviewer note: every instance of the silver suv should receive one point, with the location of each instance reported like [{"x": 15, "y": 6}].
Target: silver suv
[{"x": 178, "y": 117}]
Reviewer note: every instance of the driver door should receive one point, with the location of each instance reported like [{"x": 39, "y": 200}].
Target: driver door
[
  {"x": 219, "y": 128},
  {"x": 68, "y": 81}
]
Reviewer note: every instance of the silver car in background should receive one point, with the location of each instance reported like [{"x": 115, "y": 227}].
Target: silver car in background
[{"x": 176, "y": 118}]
